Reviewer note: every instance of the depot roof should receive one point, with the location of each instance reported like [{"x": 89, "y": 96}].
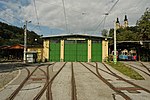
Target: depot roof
[{"x": 75, "y": 35}]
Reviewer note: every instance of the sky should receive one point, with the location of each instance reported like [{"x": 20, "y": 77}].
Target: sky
[{"x": 53, "y": 17}]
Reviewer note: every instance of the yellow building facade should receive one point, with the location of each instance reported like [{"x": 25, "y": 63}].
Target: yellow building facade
[
  {"x": 39, "y": 51},
  {"x": 95, "y": 49}
]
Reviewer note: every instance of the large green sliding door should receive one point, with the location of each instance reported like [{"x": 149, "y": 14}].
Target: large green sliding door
[
  {"x": 70, "y": 51},
  {"x": 96, "y": 51},
  {"x": 75, "y": 50},
  {"x": 82, "y": 51},
  {"x": 54, "y": 51}
]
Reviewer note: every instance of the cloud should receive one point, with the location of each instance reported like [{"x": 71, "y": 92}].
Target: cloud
[
  {"x": 81, "y": 15},
  {"x": 7, "y": 15}
]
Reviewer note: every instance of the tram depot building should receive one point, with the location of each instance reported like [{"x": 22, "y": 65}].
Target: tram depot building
[{"x": 75, "y": 48}]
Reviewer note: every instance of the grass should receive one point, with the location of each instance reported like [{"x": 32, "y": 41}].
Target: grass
[{"x": 126, "y": 70}]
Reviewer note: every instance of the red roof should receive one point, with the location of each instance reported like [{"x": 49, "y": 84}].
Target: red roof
[{"x": 17, "y": 46}]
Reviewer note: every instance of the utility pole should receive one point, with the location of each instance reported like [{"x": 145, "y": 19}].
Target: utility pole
[
  {"x": 25, "y": 42},
  {"x": 115, "y": 56}
]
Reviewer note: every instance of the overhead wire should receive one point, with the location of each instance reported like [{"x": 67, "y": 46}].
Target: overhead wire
[
  {"x": 57, "y": 4},
  {"x": 104, "y": 22},
  {"x": 5, "y": 21},
  {"x": 113, "y": 6},
  {"x": 100, "y": 23},
  {"x": 35, "y": 8},
  {"x": 65, "y": 15},
  {"x": 106, "y": 14},
  {"x": 12, "y": 15}
]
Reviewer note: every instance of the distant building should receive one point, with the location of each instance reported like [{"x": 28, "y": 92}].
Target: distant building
[
  {"x": 38, "y": 49},
  {"x": 125, "y": 24},
  {"x": 15, "y": 52}
]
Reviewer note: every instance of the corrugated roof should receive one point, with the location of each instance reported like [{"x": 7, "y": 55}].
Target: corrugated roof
[{"x": 76, "y": 34}]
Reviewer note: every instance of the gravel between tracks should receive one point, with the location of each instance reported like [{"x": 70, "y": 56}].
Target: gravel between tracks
[
  {"x": 89, "y": 87},
  {"x": 61, "y": 86},
  {"x": 6, "y": 77}
]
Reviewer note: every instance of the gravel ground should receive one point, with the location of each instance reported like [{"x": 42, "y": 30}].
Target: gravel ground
[
  {"x": 89, "y": 87},
  {"x": 147, "y": 64},
  {"x": 28, "y": 92},
  {"x": 61, "y": 86},
  {"x": 6, "y": 77},
  {"x": 30, "y": 88},
  {"x": 139, "y": 66},
  {"x": 113, "y": 80},
  {"x": 33, "y": 86},
  {"x": 143, "y": 83}
]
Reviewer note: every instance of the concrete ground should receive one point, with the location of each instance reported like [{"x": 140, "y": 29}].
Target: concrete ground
[
  {"x": 144, "y": 83},
  {"x": 88, "y": 86}
]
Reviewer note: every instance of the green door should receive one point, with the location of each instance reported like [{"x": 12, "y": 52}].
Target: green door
[
  {"x": 70, "y": 51},
  {"x": 54, "y": 51},
  {"x": 75, "y": 51},
  {"x": 96, "y": 51},
  {"x": 82, "y": 50}
]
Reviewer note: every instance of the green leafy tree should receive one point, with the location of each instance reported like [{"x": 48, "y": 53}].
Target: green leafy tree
[
  {"x": 144, "y": 25},
  {"x": 105, "y": 32}
]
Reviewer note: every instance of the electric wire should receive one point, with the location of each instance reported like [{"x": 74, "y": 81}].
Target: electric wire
[
  {"x": 100, "y": 23},
  {"x": 57, "y": 4},
  {"x": 113, "y": 6},
  {"x": 11, "y": 15},
  {"x": 65, "y": 15},
  {"x": 5, "y": 21},
  {"x": 106, "y": 14},
  {"x": 35, "y": 8},
  {"x": 104, "y": 22}
]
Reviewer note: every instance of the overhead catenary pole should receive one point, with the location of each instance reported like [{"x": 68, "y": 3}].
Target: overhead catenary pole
[
  {"x": 115, "y": 49},
  {"x": 25, "y": 42}
]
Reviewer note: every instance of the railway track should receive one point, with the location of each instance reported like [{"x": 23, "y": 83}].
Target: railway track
[
  {"x": 123, "y": 79},
  {"x": 48, "y": 84},
  {"x": 148, "y": 69},
  {"x": 139, "y": 69},
  {"x": 29, "y": 74},
  {"x": 104, "y": 74},
  {"x": 106, "y": 82},
  {"x": 48, "y": 93},
  {"x": 133, "y": 89},
  {"x": 74, "y": 92}
]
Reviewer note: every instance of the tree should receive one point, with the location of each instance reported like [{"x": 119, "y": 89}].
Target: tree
[
  {"x": 104, "y": 32},
  {"x": 10, "y": 35},
  {"x": 144, "y": 25}
]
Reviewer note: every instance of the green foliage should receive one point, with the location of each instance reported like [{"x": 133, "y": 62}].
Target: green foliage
[
  {"x": 10, "y": 35},
  {"x": 144, "y": 25},
  {"x": 134, "y": 33},
  {"x": 109, "y": 58},
  {"x": 126, "y": 70},
  {"x": 105, "y": 32},
  {"x": 126, "y": 34}
]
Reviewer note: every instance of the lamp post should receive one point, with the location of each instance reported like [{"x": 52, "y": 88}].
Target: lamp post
[
  {"x": 25, "y": 41},
  {"x": 115, "y": 56}
]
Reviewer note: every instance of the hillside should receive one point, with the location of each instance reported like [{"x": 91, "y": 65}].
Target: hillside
[{"x": 10, "y": 35}]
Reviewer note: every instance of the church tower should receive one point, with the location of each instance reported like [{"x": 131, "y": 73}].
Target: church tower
[
  {"x": 117, "y": 24},
  {"x": 125, "y": 21}
]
